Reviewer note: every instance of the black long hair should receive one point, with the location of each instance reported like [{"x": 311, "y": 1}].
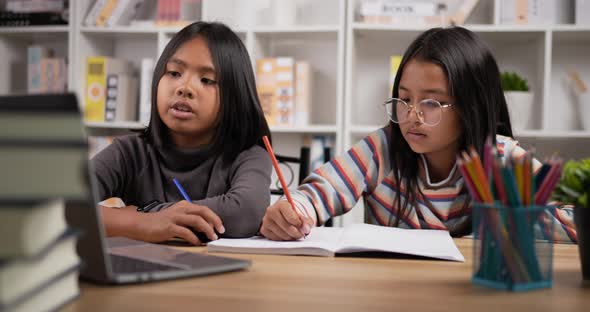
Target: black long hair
[
  {"x": 240, "y": 123},
  {"x": 474, "y": 82}
]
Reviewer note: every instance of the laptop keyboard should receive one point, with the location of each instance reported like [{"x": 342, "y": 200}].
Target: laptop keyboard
[{"x": 122, "y": 264}]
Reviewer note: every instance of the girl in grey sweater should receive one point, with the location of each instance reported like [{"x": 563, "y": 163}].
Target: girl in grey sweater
[{"x": 205, "y": 130}]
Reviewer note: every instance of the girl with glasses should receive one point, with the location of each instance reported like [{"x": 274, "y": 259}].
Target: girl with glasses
[{"x": 446, "y": 97}]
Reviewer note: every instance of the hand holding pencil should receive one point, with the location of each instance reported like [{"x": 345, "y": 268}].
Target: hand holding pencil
[{"x": 283, "y": 220}]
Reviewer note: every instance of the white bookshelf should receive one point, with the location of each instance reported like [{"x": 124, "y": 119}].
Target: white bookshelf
[
  {"x": 350, "y": 62},
  {"x": 13, "y": 52},
  {"x": 314, "y": 34}
]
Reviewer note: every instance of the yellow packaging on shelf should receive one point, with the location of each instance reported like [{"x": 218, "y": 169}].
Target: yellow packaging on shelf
[
  {"x": 275, "y": 84},
  {"x": 97, "y": 69},
  {"x": 394, "y": 63}
]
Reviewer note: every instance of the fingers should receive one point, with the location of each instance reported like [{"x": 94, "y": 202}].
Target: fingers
[
  {"x": 308, "y": 223},
  {"x": 186, "y": 234},
  {"x": 266, "y": 232},
  {"x": 198, "y": 223},
  {"x": 207, "y": 214},
  {"x": 289, "y": 214},
  {"x": 287, "y": 228},
  {"x": 272, "y": 231},
  {"x": 276, "y": 226}
]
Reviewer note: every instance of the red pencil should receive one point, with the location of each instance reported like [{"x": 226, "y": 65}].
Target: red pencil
[{"x": 284, "y": 185}]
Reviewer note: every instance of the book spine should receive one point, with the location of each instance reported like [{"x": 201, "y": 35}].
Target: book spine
[
  {"x": 266, "y": 85},
  {"x": 106, "y": 12},
  {"x": 145, "y": 93},
  {"x": 126, "y": 107},
  {"x": 303, "y": 83},
  {"x": 284, "y": 96},
  {"x": 129, "y": 12},
  {"x": 112, "y": 96},
  {"x": 117, "y": 13},
  {"x": 95, "y": 88},
  {"x": 92, "y": 15},
  {"x": 175, "y": 11},
  {"x": 34, "y": 55},
  {"x": 394, "y": 62},
  {"x": 161, "y": 12},
  {"x": 190, "y": 10},
  {"x": 53, "y": 75},
  {"x": 463, "y": 12}
]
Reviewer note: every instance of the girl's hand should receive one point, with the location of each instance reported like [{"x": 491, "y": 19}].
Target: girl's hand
[
  {"x": 177, "y": 221},
  {"x": 280, "y": 222}
]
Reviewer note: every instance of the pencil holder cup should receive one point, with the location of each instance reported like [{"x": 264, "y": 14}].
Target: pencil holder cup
[{"x": 512, "y": 247}]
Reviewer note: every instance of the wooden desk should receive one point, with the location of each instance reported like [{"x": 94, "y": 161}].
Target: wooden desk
[{"x": 303, "y": 284}]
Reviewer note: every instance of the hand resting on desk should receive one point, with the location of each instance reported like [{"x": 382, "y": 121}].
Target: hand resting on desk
[
  {"x": 182, "y": 220},
  {"x": 280, "y": 222}
]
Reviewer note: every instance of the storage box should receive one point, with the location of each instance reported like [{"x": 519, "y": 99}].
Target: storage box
[{"x": 512, "y": 247}]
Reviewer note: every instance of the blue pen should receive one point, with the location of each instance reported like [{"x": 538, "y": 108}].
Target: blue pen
[
  {"x": 181, "y": 190},
  {"x": 202, "y": 236}
]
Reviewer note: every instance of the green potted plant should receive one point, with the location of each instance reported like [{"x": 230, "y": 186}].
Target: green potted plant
[
  {"x": 574, "y": 188},
  {"x": 519, "y": 99}
]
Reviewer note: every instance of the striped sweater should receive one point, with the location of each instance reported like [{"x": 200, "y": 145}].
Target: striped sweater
[{"x": 365, "y": 171}]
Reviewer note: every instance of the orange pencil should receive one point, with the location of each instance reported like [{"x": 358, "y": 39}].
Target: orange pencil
[
  {"x": 275, "y": 164},
  {"x": 480, "y": 177}
]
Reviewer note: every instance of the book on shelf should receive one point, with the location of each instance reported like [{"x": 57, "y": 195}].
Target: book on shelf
[
  {"x": 29, "y": 226},
  {"x": 177, "y": 12},
  {"x": 121, "y": 98},
  {"x": 22, "y": 277},
  {"x": 54, "y": 75},
  {"x": 462, "y": 12},
  {"x": 12, "y": 19},
  {"x": 35, "y": 53},
  {"x": 32, "y": 6},
  {"x": 352, "y": 239},
  {"x": 146, "y": 72},
  {"x": 97, "y": 70},
  {"x": 406, "y": 12},
  {"x": 395, "y": 11},
  {"x": 93, "y": 12},
  {"x": 536, "y": 12},
  {"x": 303, "y": 91},
  {"x": 124, "y": 12},
  {"x": 394, "y": 62},
  {"x": 45, "y": 74},
  {"x": 275, "y": 84},
  {"x": 105, "y": 12}
]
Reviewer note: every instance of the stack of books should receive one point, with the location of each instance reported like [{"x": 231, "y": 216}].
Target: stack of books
[
  {"x": 38, "y": 260},
  {"x": 42, "y": 161}
]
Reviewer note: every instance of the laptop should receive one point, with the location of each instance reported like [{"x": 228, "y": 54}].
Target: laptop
[{"x": 54, "y": 121}]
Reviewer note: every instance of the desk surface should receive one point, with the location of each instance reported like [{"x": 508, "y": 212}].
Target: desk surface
[{"x": 303, "y": 284}]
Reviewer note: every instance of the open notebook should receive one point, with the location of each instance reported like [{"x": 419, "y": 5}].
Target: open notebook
[{"x": 325, "y": 241}]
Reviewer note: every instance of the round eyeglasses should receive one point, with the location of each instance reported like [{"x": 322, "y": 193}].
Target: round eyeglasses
[{"x": 428, "y": 111}]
